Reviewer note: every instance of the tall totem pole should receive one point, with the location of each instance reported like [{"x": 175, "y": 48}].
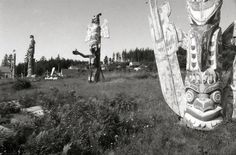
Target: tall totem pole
[
  {"x": 198, "y": 101},
  {"x": 94, "y": 34},
  {"x": 30, "y": 57},
  {"x": 13, "y": 65}
]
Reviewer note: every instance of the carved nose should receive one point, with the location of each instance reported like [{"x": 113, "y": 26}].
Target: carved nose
[
  {"x": 203, "y": 96},
  {"x": 204, "y": 103}
]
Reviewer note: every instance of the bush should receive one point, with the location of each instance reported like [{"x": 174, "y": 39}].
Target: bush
[
  {"x": 88, "y": 126},
  {"x": 8, "y": 107},
  {"x": 76, "y": 124},
  {"x": 21, "y": 84}
]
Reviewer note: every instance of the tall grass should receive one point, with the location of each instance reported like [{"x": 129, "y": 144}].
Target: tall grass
[
  {"x": 120, "y": 116},
  {"x": 89, "y": 126}
]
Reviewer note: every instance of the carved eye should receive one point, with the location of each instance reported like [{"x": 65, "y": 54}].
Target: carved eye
[
  {"x": 210, "y": 79},
  {"x": 190, "y": 95},
  {"x": 216, "y": 96}
]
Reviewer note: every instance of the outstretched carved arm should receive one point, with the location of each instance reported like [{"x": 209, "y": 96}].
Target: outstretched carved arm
[{"x": 76, "y": 52}]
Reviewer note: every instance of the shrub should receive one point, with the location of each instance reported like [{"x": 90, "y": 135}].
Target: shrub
[
  {"x": 89, "y": 126},
  {"x": 8, "y": 107},
  {"x": 21, "y": 84}
]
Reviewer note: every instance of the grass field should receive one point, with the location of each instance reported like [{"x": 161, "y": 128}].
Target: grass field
[{"x": 149, "y": 128}]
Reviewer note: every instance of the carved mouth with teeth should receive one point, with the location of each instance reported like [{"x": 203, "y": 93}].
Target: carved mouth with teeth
[
  {"x": 202, "y": 10},
  {"x": 203, "y": 109}
]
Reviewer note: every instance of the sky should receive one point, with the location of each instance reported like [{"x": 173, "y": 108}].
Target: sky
[{"x": 59, "y": 26}]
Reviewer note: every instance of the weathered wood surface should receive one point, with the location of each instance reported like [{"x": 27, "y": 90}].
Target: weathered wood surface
[{"x": 165, "y": 46}]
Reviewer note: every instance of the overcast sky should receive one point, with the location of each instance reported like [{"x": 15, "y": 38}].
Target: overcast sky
[{"x": 59, "y": 26}]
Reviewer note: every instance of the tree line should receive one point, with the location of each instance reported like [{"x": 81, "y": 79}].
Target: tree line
[
  {"x": 142, "y": 55},
  {"x": 133, "y": 55},
  {"x": 7, "y": 60},
  {"x": 44, "y": 65}
]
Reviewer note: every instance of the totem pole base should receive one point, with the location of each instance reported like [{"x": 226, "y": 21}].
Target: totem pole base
[
  {"x": 95, "y": 76},
  {"x": 197, "y": 124}
]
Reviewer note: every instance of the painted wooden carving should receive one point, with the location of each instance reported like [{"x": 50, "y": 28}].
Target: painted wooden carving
[
  {"x": 95, "y": 32},
  {"x": 199, "y": 101},
  {"x": 30, "y": 57}
]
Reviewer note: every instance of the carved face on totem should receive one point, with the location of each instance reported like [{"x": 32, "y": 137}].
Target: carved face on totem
[
  {"x": 203, "y": 93},
  {"x": 203, "y": 79},
  {"x": 95, "y": 19},
  {"x": 201, "y": 11}
]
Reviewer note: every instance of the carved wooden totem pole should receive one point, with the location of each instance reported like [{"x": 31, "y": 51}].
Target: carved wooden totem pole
[
  {"x": 198, "y": 100},
  {"x": 13, "y": 65},
  {"x": 30, "y": 57},
  {"x": 94, "y": 34}
]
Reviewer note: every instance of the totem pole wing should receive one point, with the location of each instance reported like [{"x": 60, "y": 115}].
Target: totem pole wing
[
  {"x": 89, "y": 33},
  {"x": 165, "y": 47},
  {"x": 105, "y": 29}
]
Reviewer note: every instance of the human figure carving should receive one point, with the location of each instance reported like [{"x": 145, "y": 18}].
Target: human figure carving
[{"x": 30, "y": 57}]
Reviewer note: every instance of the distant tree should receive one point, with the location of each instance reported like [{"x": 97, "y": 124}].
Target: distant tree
[
  {"x": 110, "y": 60},
  {"x": 106, "y": 60},
  {"x": 113, "y": 57},
  {"x": 58, "y": 57},
  {"x": 139, "y": 55},
  {"x": 124, "y": 55},
  {"x": 43, "y": 58},
  {"x": 118, "y": 57},
  {"x": 5, "y": 61},
  {"x": 21, "y": 69}
]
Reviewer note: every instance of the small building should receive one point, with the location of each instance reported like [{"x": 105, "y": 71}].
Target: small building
[
  {"x": 74, "y": 68},
  {"x": 5, "y": 72},
  {"x": 134, "y": 64}
]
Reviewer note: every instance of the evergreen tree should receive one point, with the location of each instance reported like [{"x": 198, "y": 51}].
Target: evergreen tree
[
  {"x": 5, "y": 61},
  {"x": 43, "y": 58},
  {"x": 110, "y": 60},
  {"x": 118, "y": 57},
  {"x": 124, "y": 55},
  {"x": 106, "y": 60}
]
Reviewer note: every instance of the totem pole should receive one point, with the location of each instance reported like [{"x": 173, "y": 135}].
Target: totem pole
[
  {"x": 30, "y": 57},
  {"x": 13, "y": 65},
  {"x": 94, "y": 34},
  {"x": 198, "y": 101}
]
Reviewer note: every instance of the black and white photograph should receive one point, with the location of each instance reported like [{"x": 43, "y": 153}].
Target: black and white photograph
[{"x": 117, "y": 77}]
